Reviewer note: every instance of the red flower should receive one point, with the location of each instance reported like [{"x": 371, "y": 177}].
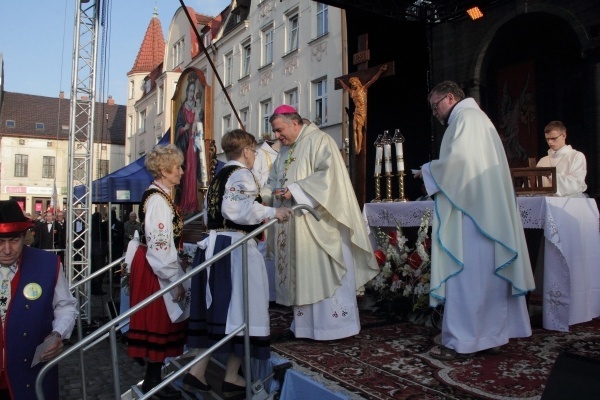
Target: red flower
[
  {"x": 393, "y": 238},
  {"x": 380, "y": 257},
  {"x": 414, "y": 260}
]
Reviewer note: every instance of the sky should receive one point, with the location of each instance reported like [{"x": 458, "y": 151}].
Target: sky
[{"x": 36, "y": 42}]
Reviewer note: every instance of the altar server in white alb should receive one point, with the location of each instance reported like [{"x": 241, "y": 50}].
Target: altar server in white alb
[
  {"x": 320, "y": 264},
  {"x": 480, "y": 267},
  {"x": 570, "y": 164},
  {"x": 265, "y": 156}
]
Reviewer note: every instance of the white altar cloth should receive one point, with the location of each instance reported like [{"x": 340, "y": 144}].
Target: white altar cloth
[{"x": 571, "y": 283}]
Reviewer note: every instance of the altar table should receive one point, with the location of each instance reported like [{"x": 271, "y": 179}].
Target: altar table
[{"x": 571, "y": 259}]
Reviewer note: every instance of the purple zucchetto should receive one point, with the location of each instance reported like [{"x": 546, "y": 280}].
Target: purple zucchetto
[{"x": 285, "y": 109}]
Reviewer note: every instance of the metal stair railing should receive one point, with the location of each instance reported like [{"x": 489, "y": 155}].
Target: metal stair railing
[
  {"x": 109, "y": 329},
  {"x": 75, "y": 288}
]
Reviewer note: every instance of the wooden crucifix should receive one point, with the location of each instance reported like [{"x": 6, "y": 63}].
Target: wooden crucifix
[{"x": 357, "y": 84}]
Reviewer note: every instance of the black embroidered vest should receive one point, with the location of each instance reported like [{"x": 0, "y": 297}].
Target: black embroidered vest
[
  {"x": 177, "y": 217},
  {"x": 216, "y": 191}
]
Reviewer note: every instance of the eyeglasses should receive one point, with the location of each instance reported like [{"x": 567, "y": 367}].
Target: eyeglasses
[
  {"x": 552, "y": 139},
  {"x": 252, "y": 150},
  {"x": 434, "y": 106}
]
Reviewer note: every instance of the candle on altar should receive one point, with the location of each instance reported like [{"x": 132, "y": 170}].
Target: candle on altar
[
  {"x": 387, "y": 149},
  {"x": 378, "y": 155},
  {"x": 387, "y": 152},
  {"x": 398, "y": 139}
]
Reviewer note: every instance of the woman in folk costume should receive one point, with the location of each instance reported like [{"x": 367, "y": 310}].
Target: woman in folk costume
[
  {"x": 233, "y": 209},
  {"x": 152, "y": 333}
]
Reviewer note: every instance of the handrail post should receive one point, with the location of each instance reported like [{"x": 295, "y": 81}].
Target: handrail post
[
  {"x": 81, "y": 350},
  {"x": 115, "y": 362},
  {"x": 246, "y": 294},
  {"x": 111, "y": 325}
]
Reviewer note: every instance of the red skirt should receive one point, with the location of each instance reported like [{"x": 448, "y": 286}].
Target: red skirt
[{"x": 151, "y": 332}]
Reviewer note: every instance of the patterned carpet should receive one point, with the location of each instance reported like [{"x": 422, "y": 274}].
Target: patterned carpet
[{"x": 389, "y": 360}]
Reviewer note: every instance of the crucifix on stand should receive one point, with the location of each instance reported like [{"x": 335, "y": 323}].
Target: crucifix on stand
[{"x": 357, "y": 84}]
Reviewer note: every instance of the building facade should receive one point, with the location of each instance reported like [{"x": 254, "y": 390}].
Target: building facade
[
  {"x": 265, "y": 52},
  {"x": 34, "y": 146}
]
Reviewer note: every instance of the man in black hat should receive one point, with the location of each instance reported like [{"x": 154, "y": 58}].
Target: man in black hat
[{"x": 36, "y": 307}]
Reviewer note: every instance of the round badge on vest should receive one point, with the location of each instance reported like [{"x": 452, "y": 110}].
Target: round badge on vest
[{"x": 32, "y": 291}]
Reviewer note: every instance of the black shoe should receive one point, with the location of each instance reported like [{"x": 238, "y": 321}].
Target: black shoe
[
  {"x": 193, "y": 384},
  {"x": 231, "y": 389}
]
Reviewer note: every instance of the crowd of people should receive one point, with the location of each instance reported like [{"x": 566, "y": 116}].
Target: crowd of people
[{"x": 315, "y": 266}]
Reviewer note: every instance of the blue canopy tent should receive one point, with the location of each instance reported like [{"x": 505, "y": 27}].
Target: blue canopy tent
[{"x": 125, "y": 185}]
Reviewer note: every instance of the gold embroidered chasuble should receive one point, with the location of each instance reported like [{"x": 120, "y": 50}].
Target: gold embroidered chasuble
[{"x": 309, "y": 261}]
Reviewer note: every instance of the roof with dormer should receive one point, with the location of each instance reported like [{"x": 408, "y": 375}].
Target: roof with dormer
[
  {"x": 152, "y": 50},
  {"x": 31, "y": 116}
]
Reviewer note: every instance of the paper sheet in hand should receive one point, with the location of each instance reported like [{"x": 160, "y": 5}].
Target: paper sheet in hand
[{"x": 41, "y": 349}]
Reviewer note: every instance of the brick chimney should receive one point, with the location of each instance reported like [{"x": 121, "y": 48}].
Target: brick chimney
[
  {"x": 111, "y": 101},
  {"x": 61, "y": 95}
]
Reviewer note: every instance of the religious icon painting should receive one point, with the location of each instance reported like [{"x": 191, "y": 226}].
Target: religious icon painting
[{"x": 192, "y": 128}]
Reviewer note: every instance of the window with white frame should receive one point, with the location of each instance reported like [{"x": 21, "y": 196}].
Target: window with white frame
[
  {"x": 267, "y": 42},
  {"x": 246, "y": 52},
  {"x": 131, "y": 89},
  {"x": 322, "y": 19},
  {"x": 320, "y": 101},
  {"x": 142, "y": 124},
  {"x": 161, "y": 99},
  {"x": 228, "y": 68},
  {"x": 266, "y": 108},
  {"x": 293, "y": 33},
  {"x": 48, "y": 167},
  {"x": 130, "y": 125},
  {"x": 244, "y": 114},
  {"x": 291, "y": 98},
  {"x": 177, "y": 53},
  {"x": 21, "y": 165},
  {"x": 226, "y": 123}
]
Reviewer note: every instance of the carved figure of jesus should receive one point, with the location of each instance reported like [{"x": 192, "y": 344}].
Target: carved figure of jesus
[{"x": 358, "y": 92}]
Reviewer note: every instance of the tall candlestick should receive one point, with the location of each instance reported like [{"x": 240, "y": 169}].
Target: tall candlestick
[
  {"x": 387, "y": 151},
  {"x": 398, "y": 139},
  {"x": 378, "y": 155}
]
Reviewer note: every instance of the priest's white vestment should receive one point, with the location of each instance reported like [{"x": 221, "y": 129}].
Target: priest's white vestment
[{"x": 480, "y": 264}]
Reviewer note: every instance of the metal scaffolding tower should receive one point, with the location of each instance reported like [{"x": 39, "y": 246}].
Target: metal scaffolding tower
[{"x": 81, "y": 144}]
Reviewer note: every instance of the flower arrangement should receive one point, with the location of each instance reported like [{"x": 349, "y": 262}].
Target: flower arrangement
[{"x": 403, "y": 283}]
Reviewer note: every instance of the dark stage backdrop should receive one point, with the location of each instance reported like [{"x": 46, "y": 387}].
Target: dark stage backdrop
[
  {"x": 399, "y": 101},
  {"x": 517, "y": 122}
]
